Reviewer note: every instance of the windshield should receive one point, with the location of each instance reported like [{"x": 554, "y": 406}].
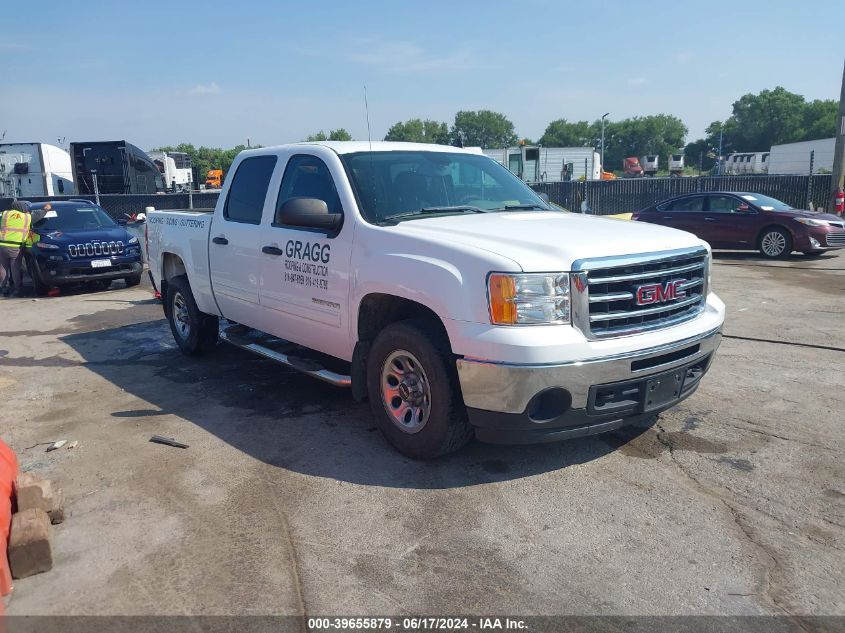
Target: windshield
[
  {"x": 765, "y": 202},
  {"x": 81, "y": 218},
  {"x": 400, "y": 185}
]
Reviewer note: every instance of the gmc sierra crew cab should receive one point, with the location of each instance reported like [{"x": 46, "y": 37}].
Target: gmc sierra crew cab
[{"x": 433, "y": 282}]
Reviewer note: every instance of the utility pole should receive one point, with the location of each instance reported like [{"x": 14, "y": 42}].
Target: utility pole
[
  {"x": 720, "y": 148},
  {"x": 836, "y": 180},
  {"x": 603, "y": 117}
]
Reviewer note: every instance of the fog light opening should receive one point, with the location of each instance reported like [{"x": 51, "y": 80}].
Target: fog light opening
[
  {"x": 815, "y": 243},
  {"x": 549, "y": 404}
]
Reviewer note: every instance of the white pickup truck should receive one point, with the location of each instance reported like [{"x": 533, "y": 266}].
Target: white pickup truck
[{"x": 432, "y": 281}]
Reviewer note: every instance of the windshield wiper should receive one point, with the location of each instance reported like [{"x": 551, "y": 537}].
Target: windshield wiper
[
  {"x": 522, "y": 207},
  {"x": 433, "y": 211}
]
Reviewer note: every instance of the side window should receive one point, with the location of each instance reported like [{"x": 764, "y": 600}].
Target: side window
[
  {"x": 723, "y": 204},
  {"x": 696, "y": 203},
  {"x": 245, "y": 202},
  {"x": 308, "y": 177}
]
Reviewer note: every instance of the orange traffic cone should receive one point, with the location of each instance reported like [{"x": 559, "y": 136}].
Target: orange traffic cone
[{"x": 8, "y": 474}]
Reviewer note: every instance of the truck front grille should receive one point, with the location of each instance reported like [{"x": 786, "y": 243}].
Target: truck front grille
[
  {"x": 96, "y": 249},
  {"x": 627, "y": 295}
]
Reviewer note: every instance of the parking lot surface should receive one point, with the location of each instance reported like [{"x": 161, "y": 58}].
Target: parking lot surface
[{"x": 289, "y": 501}]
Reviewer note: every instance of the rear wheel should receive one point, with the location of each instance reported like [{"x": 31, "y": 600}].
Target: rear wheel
[
  {"x": 133, "y": 280},
  {"x": 775, "y": 243},
  {"x": 195, "y": 332},
  {"x": 413, "y": 390}
]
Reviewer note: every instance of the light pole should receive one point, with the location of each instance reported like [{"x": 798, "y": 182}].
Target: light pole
[
  {"x": 603, "y": 117},
  {"x": 720, "y": 148}
]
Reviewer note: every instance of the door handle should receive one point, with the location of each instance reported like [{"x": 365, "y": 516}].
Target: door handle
[
  {"x": 220, "y": 240},
  {"x": 667, "y": 217},
  {"x": 272, "y": 250},
  {"x": 709, "y": 219}
]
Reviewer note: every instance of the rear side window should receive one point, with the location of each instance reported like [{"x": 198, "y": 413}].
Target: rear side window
[
  {"x": 249, "y": 189},
  {"x": 696, "y": 203}
]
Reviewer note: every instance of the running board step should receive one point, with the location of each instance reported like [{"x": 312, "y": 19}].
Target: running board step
[{"x": 263, "y": 344}]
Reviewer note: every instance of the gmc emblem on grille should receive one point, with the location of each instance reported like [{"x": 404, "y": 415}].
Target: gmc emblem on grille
[{"x": 649, "y": 294}]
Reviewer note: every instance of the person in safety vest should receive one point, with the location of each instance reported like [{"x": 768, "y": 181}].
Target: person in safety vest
[{"x": 15, "y": 235}]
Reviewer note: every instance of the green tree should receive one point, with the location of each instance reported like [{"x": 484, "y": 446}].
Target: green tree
[
  {"x": 419, "y": 131},
  {"x": 339, "y": 134},
  {"x": 483, "y": 128},
  {"x": 563, "y": 133},
  {"x": 661, "y": 134},
  {"x": 820, "y": 119}
]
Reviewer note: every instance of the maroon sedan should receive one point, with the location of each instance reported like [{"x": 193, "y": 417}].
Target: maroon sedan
[{"x": 748, "y": 221}]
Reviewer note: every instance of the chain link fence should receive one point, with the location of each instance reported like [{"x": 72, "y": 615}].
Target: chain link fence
[
  {"x": 624, "y": 195},
  {"x": 603, "y": 197}
]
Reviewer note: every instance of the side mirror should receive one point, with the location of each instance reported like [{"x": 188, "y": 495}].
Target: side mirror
[
  {"x": 743, "y": 208},
  {"x": 122, "y": 221},
  {"x": 311, "y": 213}
]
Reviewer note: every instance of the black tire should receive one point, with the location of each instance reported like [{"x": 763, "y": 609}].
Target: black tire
[
  {"x": 775, "y": 243},
  {"x": 446, "y": 427},
  {"x": 133, "y": 280},
  {"x": 195, "y": 332},
  {"x": 39, "y": 286}
]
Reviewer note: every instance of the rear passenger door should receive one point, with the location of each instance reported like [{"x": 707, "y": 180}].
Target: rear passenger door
[
  {"x": 684, "y": 213},
  {"x": 234, "y": 240}
]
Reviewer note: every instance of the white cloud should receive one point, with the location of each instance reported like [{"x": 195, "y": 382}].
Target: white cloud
[
  {"x": 205, "y": 89},
  {"x": 635, "y": 82},
  {"x": 683, "y": 58},
  {"x": 407, "y": 57}
]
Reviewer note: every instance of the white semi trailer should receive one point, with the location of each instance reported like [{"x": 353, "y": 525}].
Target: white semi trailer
[
  {"x": 534, "y": 163},
  {"x": 34, "y": 169}
]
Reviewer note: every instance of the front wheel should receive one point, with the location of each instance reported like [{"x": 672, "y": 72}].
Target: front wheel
[
  {"x": 133, "y": 280},
  {"x": 413, "y": 390},
  {"x": 195, "y": 332},
  {"x": 775, "y": 243},
  {"x": 38, "y": 284}
]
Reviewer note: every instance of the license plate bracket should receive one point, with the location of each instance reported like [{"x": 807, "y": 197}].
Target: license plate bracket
[
  {"x": 100, "y": 263},
  {"x": 663, "y": 389}
]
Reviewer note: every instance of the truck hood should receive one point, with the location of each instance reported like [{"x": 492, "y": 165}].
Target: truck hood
[{"x": 549, "y": 241}]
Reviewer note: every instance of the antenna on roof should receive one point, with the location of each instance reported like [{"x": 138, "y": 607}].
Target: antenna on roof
[
  {"x": 2, "y": 136},
  {"x": 367, "y": 110}
]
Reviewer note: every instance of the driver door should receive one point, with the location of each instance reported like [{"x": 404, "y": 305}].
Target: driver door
[{"x": 304, "y": 279}]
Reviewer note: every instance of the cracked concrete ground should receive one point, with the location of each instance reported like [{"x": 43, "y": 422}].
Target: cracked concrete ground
[{"x": 288, "y": 501}]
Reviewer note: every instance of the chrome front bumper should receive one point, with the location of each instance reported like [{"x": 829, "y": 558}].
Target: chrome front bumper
[{"x": 508, "y": 388}]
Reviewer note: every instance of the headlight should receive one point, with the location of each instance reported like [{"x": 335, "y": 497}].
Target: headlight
[
  {"x": 47, "y": 246},
  {"x": 812, "y": 222},
  {"x": 132, "y": 240},
  {"x": 528, "y": 299}
]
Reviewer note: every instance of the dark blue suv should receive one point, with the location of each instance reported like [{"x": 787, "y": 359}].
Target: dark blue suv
[{"x": 80, "y": 243}]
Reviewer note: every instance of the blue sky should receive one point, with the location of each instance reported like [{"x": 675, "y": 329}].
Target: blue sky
[{"x": 216, "y": 73}]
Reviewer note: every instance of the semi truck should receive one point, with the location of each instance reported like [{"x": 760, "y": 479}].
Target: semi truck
[
  {"x": 214, "y": 179},
  {"x": 676, "y": 165},
  {"x": 175, "y": 168},
  {"x": 34, "y": 169},
  {"x": 435, "y": 283},
  {"x": 631, "y": 167},
  {"x": 113, "y": 167}
]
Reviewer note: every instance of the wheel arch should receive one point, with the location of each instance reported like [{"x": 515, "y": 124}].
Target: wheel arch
[{"x": 375, "y": 312}]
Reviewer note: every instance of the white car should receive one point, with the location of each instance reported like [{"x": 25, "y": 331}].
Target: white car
[{"x": 434, "y": 282}]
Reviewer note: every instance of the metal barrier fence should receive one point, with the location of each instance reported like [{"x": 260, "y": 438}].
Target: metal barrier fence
[
  {"x": 625, "y": 195},
  {"x": 603, "y": 197}
]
